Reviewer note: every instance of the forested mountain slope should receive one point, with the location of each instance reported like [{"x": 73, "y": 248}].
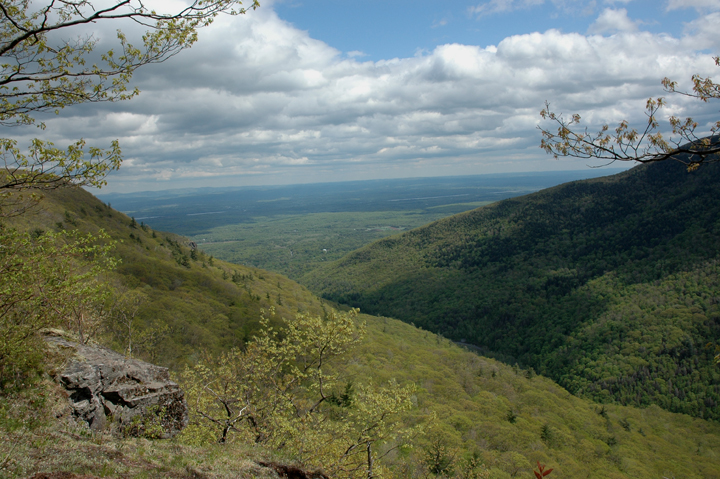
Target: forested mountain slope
[
  {"x": 609, "y": 286},
  {"x": 470, "y": 406},
  {"x": 513, "y": 418},
  {"x": 179, "y": 302}
]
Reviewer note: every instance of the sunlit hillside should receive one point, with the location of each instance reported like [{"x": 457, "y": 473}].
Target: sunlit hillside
[{"x": 467, "y": 405}]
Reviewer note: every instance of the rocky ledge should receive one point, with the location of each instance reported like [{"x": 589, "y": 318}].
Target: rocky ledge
[{"x": 130, "y": 396}]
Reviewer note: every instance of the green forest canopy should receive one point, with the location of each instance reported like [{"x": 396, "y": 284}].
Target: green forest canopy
[{"x": 609, "y": 286}]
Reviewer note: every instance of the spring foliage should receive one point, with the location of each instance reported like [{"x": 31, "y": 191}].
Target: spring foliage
[
  {"x": 46, "y": 279},
  {"x": 48, "y": 61},
  {"x": 624, "y": 143},
  {"x": 607, "y": 286},
  {"x": 469, "y": 395},
  {"x": 280, "y": 391}
]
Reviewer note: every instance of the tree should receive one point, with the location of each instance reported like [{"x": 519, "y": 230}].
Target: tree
[
  {"x": 45, "y": 280},
  {"x": 439, "y": 457},
  {"x": 123, "y": 317},
  {"x": 646, "y": 145},
  {"x": 281, "y": 392},
  {"x": 48, "y": 63}
]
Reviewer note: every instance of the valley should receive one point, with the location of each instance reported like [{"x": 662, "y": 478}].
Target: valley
[
  {"x": 295, "y": 229},
  {"x": 491, "y": 416},
  {"x": 335, "y": 241}
]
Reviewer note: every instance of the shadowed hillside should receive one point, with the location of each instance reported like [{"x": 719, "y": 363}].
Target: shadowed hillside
[
  {"x": 504, "y": 417},
  {"x": 609, "y": 286}
]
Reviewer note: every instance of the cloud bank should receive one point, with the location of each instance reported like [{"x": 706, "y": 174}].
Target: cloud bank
[{"x": 259, "y": 101}]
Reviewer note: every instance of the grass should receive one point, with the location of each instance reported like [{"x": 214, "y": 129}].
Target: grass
[
  {"x": 47, "y": 441},
  {"x": 469, "y": 395},
  {"x": 296, "y": 244}
]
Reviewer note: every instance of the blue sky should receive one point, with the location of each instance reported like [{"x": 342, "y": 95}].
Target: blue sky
[
  {"x": 303, "y": 91},
  {"x": 401, "y": 28}
]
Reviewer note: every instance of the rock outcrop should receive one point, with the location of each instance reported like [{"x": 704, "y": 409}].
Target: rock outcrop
[{"x": 131, "y": 396}]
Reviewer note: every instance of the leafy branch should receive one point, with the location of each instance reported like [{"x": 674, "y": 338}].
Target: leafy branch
[
  {"x": 40, "y": 73},
  {"x": 647, "y": 145}
]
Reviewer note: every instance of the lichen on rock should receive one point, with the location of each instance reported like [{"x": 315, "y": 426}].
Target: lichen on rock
[{"x": 107, "y": 389}]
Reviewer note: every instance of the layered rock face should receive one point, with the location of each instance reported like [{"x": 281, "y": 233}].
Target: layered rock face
[{"x": 138, "y": 397}]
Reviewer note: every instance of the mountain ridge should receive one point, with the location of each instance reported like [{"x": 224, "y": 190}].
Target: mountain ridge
[
  {"x": 506, "y": 416},
  {"x": 527, "y": 276}
]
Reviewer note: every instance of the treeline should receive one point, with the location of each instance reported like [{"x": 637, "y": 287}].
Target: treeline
[
  {"x": 563, "y": 280},
  {"x": 468, "y": 415},
  {"x": 166, "y": 298}
]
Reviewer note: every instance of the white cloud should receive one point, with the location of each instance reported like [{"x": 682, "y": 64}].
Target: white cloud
[
  {"x": 257, "y": 98},
  {"x": 702, "y": 33},
  {"x": 700, "y": 5},
  {"x": 613, "y": 21}
]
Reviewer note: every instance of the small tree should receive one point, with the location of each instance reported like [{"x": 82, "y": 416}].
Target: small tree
[
  {"x": 439, "y": 457},
  {"x": 645, "y": 145},
  {"x": 122, "y": 321},
  {"x": 280, "y": 392},
  {"x": 46, "y": 280},
  {"x": 472, "y": 467},
  {"x": 48, "y": 63}
]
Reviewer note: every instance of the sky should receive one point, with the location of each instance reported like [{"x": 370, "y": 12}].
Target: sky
[{"x": 305, "y": 91}]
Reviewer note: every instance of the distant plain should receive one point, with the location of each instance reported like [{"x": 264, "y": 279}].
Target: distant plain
[{"x": 292, "y": 229}]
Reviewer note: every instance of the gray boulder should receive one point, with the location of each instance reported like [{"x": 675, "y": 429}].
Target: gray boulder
[{"x": 133, "y": 397}]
